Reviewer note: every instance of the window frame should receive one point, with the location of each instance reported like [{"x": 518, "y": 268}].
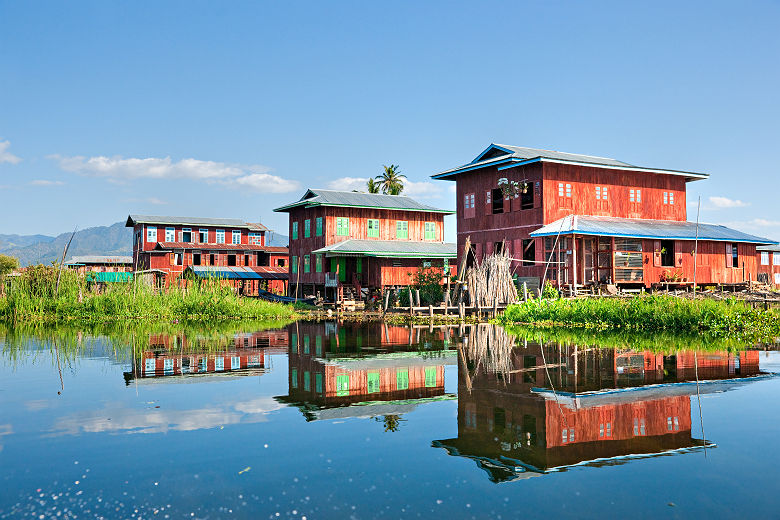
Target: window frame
[
  {"x": 294, "y": 230},
  {"x": 151, "y": 233},
  {"x": 235, "y": 237},
  {"x": 372, "y": 228},
  {"x": 430, "y": 230},
  {"x": 402, "y": 229},
  {"x": 219, "y": 236},
  {"x": 318, "y": 226},
  {"x": 170, "y": 232},
  {"x": 342, "y": 226},
  {"x": 307, "y": 228}
]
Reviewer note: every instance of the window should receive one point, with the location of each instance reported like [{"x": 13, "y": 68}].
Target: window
[
  {"x": 667, "y": 253},
  {"x": 373, "y": 228},
  {"x": 598, "y": 193},
  {"x": 342, "y": 385},
  {"x": 204, "y": 236},
  {"x": 186, "y": 235},
  {"x": 231, "y": 260},
  {"x": 151, "y": 233},
  {"x": 318, "y": 263},
  {"x": 307, "y": 228},
  {"x": 669, "y": 197},
  {"x": 430, "y": 231},
  {"x": 170, "y": 234},
  {"x": 177, "y": 258},
  {"x": 402, "y": 379},
  {"x": 498, "y": 201},
  {"x": 430, "y": 377},
  {"x": 294, "y": 378},
  {"x": 236, "y": 236},
  {"x": 219, "y": 364},
  {"x": 195, "y": 258},
  {"x": 306, "y": 264},
  {"x": 373, "y": 382},
  {"x": 246, "y": 259},
  {"x": 764, "y": 258},
  {"x": 401, "y": 229},
  {"x": 775, "y": 258},
  {"x": 319, "y": 226},
  {"x": 468, "y": 205},
  {"x": 211, "y": 259},
  {"x": 568, "y": 191},
  {"x": 294, "y": 265},
  {"x": 220, "y": 236},
  {"x": 639, "y": 195},
  {"x": 560, "y": 189},
  {"x": 318, "y": 383},
  {"x": 255, "y": 238},
  {"x": 235, "y": 362},
  {"x": 295, "y": 230},
  {"x": 306, "y": 381},
  {"x": 529, "y": 252},
  {"x": 631, "y": 195},
  {"x": 734, "y": 255},
  {"x": 527, "y": 198},
  {"x": 342, "y": 226}
]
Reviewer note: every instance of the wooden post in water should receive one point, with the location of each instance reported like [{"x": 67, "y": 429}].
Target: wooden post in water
[
  {"x": 430, "y": 311},
  {"x": 387, "y": 301},
  {"x": 525, "y": 292},
  {"x": 417, "y": 297},
  {"x": 447, "y": 303},
  {"x": 411, "y": 303}
]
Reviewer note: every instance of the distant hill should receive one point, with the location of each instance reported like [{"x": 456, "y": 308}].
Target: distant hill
[
  {"x": 102, "y": 240},
  {"x": 114, "y": 240}
]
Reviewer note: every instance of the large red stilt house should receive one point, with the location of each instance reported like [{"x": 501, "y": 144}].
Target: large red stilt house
[{"x": 579, "y": 220}]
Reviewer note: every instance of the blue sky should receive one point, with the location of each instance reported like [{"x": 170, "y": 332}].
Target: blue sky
[{"x": 230, "y": 109}]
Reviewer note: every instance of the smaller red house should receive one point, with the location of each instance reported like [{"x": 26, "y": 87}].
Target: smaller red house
[
  {"x": 230, "y": 249},
  {"x": 769, "y": 265}
]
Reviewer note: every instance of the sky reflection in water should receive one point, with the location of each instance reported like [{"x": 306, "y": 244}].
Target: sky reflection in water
[{"x": 325, "y": 420}]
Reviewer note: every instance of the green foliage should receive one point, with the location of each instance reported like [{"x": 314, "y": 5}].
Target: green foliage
[
  {"x": 372, "y": 185},
  {"x": 428, "y": 281},
  {"x": 31, "y": 298},
  {"x": 650, "y": 313},
  {"x": 391, "y": 181},
  {"x": 550, "y": 292},
  {"x": 7, "y": 264}
]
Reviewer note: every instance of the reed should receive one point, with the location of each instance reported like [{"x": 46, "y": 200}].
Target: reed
[
  {"x": 33, "y": 297},
  {"x": 650, "y": 313}
]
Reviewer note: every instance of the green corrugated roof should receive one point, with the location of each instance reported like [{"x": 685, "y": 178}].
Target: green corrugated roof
[
  {"x": 390, "y": 248},
  {"x": 354, "y": 199},
  {"x": 109, "y": 277}
]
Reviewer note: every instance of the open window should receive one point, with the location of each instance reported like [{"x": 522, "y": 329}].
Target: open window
[
  {"x": 667, "y": 253},
  {"x": 498, "y": 247},
  {"x": 195, "y": 258},
  {"x": 231, "y": 260},
  {"x": 529, "y": 252},
  {"x": 527, "y": 197},
  {"x": 497, "y": 196}
]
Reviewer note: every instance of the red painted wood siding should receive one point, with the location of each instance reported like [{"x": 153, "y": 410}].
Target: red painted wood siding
[{"x": 770, "y": 269}]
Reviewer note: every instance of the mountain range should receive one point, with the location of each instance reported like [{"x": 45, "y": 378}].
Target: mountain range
[{"x": 113, "y": 240}]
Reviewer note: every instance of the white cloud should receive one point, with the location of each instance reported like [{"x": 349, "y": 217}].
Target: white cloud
[
  {"x": 120, "y": 169},
  {"x": 45, "y": 182},
  {"x": 348, "y": 184},
  {"x": 266, "y": 182},
  {"x": 724, "y": 202},
  {"x": 6, "y": 156},
  {"x": 422, "y": 189}
]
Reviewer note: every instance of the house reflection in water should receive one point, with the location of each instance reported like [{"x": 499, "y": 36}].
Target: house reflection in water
[
  {"x": 179, "y": 355},
  {"x": 530, "y": 409},
  {"x": 349, "y": 370}
]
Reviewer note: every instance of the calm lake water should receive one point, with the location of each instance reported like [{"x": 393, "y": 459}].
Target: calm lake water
[{"x": 336, "y": 420}]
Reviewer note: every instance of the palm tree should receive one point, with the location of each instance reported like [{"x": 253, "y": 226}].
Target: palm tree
[
  {"x": 391, "y": 181},
  {"x": 373, "y": 186}
]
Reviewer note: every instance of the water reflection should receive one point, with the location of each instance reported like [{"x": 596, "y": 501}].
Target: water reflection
[
  {"x": 337, "y": 371},
  {"x": 531, "y": 408}
]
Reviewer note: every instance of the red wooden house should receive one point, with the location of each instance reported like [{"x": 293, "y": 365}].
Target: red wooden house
[
  {"x": 362, "y": 241},
  {"x": 579, "y": 220},
  {"x": 229, "y": 249},
  {"x": 769, "y": 265}
]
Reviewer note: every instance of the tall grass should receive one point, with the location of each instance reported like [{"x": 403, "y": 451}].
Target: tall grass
[
  {"x": 650, "y": 313},
  {"x": 32, "y": 298}
]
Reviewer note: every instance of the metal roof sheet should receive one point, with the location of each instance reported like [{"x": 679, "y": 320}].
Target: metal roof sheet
[
  {"x": 644, "y": 228},
  {"x": 226, "y": 247},
  {"x": 773, "y": 248},
  {"x": 132, "y": 220},
  {"x": 390, "y": 248},
  {"x": 516, "y": 155},
  {"x": 239, "y": 272},
  {"x": 316, "y": 197},
  {"x": 99, "y": 259}
]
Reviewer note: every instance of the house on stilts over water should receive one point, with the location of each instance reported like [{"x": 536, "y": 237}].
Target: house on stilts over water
[
  {"x": 344, "y": 242},
  {"x": 577, "y": 220}
]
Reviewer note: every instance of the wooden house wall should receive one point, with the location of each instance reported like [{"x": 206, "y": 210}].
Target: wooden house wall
[
  {"x": 771, "y": 270},
  {"x": 212, "y": 234},
  {"x": 711, "y": 262},
  {"x": 584, "y": 180}
]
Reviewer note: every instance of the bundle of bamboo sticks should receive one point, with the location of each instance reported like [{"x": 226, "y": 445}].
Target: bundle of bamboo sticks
[
  {"x": 488, "y": 349},
  {"x": 491, "y": 281}
]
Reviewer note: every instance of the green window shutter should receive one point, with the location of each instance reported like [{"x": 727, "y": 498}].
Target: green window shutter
[
  {"x": 305, "y": 343},
  {"x": 402, "y": 379},
  {"x": 306, "y": 381},
  {"x": 401, "y": 229},
  {"x": 430, "y": 231},
  {"x": 318, "y": 345},
  {"x": 373, "y": 228},
  {"x": 294, "y": 265},
  {"x": 342, "y": 385},
  {"x": 318, "y": 383},
  {"x": 333, "y": 262},
  {"x": 430, "y": 377},
  {"x": 359, "y": 265},
  {"x": 319, "y": 226},
  {"x": 306, "y": 263},
  {"x": 318, "y": 259},
  {"x": 342, "y": 226},
  {"x": 294, "y": 341},
  {"x": 373, "y": 382},
  {"x": 294, "y": 377},
  {"x": 307, "y": 228},
  {"x": 295, "y": 231}
]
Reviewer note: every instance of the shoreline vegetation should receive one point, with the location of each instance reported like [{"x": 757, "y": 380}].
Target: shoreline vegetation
[
  {"x": 35, "y": 296},
  {"x": 652, "y": 313}
]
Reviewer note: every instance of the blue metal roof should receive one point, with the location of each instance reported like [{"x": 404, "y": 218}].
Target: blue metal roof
[
  {"x": 643, "y": 228},
  {"x": 238, "y": 273}
]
